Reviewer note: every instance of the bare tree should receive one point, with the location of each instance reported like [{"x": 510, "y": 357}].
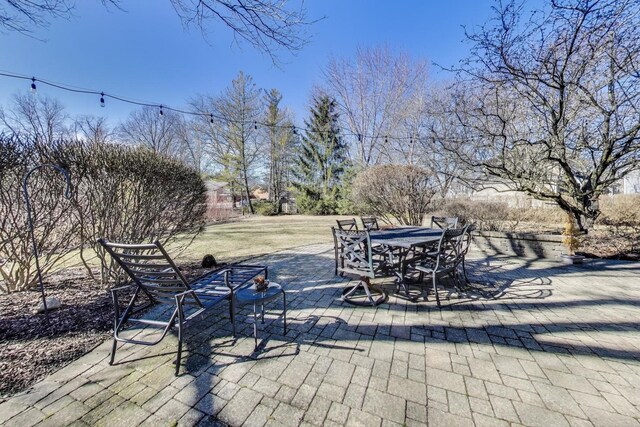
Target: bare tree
[
  {"x": 267, "y": 25},
  {"x": 281, "y": 141},
  {"x": 193, "y": 144},
  {"x": 549, "y": 104},
  {"x": 37, "y": 118},
  {"x": 264, "y": 24},
  {"x": 93, "y": 129},
  {"x": 402, "y": 192},
  {"x": 372, "y": 89},
  {"x": 232, "y": 133},
  {"x": 158, "y": 132},
  {"x": 24, "y": 15}
]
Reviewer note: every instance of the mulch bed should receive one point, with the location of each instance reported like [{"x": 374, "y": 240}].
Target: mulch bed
[{"x": 32, "y": 346}]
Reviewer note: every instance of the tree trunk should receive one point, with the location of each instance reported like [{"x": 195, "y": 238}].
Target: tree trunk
[{"x": 248, "y": 194}]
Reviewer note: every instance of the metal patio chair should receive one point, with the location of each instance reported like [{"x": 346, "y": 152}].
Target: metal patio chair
[
  {"x": 155, "y": 275},
  {"x": 444, "y": 222},
  {"x": 464, "y": 245},
  {"x": 370, "y": 223},
  {"x": 445, "y": 259},
  {"x": 357, "y": 260},
  {"x": 347, "y": 224}
]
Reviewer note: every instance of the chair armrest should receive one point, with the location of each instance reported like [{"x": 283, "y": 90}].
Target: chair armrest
[
  {"x": 121, "y": 288},
  {"x": 185, "y": 293}
]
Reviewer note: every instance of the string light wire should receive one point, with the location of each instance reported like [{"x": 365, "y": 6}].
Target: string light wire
[{"x": 162, "y": 107}]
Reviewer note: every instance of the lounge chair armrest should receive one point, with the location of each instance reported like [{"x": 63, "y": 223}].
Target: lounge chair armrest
[
  {"x": 121, "y": 288},
  {"x": 185, "y": 293}
]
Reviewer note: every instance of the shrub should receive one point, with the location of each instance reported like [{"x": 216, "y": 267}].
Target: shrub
[
  {"x": 120, "y": 193},
  {"x": 55, "y": 234},
  {"x": 620, "y": 211},
  {"x": 131, "y": 195},
  {"x": 500, "y": 216},
  {"x": 266, "y": 208},
  {"x": 401, "y": 192},
  {"x": 310, "y": 206}
]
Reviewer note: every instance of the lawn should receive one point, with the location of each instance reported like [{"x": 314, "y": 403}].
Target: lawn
[{"x": 257, "y": 235}]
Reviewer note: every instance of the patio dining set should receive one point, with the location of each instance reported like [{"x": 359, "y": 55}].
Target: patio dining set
[{"x": 415, "y": 257}]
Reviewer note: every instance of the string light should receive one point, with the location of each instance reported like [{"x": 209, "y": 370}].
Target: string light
[{"x": 345, "y": 131}]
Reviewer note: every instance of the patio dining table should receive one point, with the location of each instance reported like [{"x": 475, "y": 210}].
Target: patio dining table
[
  {"x": 406, "y": 237},
  {"x": 401, "y": 242}
]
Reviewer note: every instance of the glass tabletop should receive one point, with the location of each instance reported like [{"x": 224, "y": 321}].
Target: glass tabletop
[{"x": 250, "y": 294}]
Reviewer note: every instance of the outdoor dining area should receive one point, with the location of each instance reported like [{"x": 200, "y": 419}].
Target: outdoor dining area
[{"x": 416, "y": 258}]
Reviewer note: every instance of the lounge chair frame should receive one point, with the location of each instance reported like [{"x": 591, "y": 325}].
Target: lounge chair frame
[{"x": 155, "y": 275}]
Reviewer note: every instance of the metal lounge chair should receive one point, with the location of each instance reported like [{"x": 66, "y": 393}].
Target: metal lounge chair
[
  {"x": 155, "y": 275},
  {"x": 444, "y": 222}
]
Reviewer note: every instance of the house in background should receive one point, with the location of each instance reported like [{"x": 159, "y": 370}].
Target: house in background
[
  {"x": 259, "y": 192},
  {"x": 631, "y": 183},
  {"x": 219, "y": 194}
]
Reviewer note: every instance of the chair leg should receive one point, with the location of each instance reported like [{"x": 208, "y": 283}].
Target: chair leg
[
  {"x": 180, "y": 336},
  {"x": 232, "y": 313},
  {"x": 435, "y": 289},
  {"x": 284, "y": 310},
  {"x": 113, "y": 351},
  {"x": 464, "y": 272}
]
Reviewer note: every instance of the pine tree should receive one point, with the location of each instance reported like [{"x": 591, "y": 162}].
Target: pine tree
[{"x": 321, "y": 159}]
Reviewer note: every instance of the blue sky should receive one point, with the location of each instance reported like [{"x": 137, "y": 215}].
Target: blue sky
[{"x": 145, "y": 53}]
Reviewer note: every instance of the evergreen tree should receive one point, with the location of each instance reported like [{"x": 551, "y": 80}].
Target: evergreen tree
[{"x": 320, "y": 164}]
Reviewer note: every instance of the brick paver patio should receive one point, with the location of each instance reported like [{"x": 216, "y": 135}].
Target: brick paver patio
[{"x": 537, "y": 344}]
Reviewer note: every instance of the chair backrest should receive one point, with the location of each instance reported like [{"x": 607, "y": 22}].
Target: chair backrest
[
  {"x": 347, "y": 224},
  {"x": 465, "y": 240},
  {"x": 444, "y": 222},
  {"x": 150, "y": 267},
  {"x": 370, "y": 223},
  {"x": 448, "y": 252},
  {"x": 356, "y": 256}
]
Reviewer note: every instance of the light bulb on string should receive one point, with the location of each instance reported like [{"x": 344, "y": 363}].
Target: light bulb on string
[
  {"x": 211, "y": 118},
  {"x": 255, "y": 125},
  {"x": 33, "y": 85},
  {"x": 102, "y": 99},
  {"x": 161, "y": 112}
]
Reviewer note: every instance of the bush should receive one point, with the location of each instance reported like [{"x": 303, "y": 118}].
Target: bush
[
  {"x": 266, "y": 208},
  {"x": 499, "y": 216},
  {"x": 131, "y": 195},
  {"x": 620, "y": 211},
  {"x": 401, "y": 192},
  {"x": 122, "y": 194},
  {"x": 55, "y": 234},
  {"x": 310, "y": 206}
]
